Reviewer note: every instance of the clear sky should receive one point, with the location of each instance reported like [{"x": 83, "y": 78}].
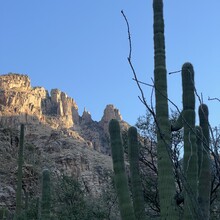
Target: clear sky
[{"x": 81, "y": 47}]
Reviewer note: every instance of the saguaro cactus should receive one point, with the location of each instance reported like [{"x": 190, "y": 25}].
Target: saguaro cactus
[
  {"x": 46, "y": 197},
  {"x": 166, "y": 181},
  {"x": 19, "y": 174},
  {"x": 190, "y": 159},
  {"x": 137, "y": 191},
  {"x": 204, "y": 187},
  {"x": 120, "y": 177}
]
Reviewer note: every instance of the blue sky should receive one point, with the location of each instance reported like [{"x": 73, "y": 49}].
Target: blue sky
[{"x": 81, "y": 47}]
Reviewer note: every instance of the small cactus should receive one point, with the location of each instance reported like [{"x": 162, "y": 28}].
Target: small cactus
[
  {"x": 19, "y": 174},
  {"x": 46, "y": 196}
]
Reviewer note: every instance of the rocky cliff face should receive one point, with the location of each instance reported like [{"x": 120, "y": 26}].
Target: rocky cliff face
[
  {"x": 56, "y": 137},
  {"x": 18, "y": 98},
  {"x": 21, "y": 103},
  {"x": 36, "y": 104}
]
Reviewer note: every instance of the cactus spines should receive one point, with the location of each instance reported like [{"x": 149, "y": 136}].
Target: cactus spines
[
  {"x": 166, "y": 181},
  {"x": 19, "y": 174},
  {"x": 137, "y": 192},
  {"x": 204, "y": 187},
  {"x": 46, "y": 195},
  {"x": 190, "y": 159}
]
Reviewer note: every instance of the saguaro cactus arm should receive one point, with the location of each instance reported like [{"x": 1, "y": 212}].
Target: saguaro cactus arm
[
  {"x": 205, "y": 167},
  {"x": 190, "y": 159},
  {"x": 178, "y": 123},
  {"x": 199, "y": 142}
]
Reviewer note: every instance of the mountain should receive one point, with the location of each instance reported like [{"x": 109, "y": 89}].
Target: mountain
[{"x": 56, "y": 137}]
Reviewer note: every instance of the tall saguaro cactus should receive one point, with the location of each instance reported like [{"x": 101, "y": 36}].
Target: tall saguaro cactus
[
  {"x": 120, "y": 177},
  {"x": 190, "y": 159},
  {"x": 19, "y": 174},
  {"x": 46, "y": 196},
  {"x": 204, "y": 187},
  {"x": 137, "y": 191},
  {"x": 166, "y": 181},
  {"x": 193, "y": 135}
]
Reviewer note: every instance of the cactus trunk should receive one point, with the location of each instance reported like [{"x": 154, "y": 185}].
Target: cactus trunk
[
  {"x": 205, "y": 169},
  {"x": 120, "y": 177},
  {"x": 137, "y": 191},
  {"x": 19, "y": 174},
  {"x": 190, "y": 159},
  {"x": 46, "y": 196},
  {"x": 166, "y": 181}
]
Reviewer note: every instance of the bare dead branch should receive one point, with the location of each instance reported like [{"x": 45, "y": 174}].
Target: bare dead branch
[
  {"x": 211, "y": 99},
  {"x": 178, "y": 71},
  {"x": 141, "y": 82},
  {"x": 129, "y": 34}
]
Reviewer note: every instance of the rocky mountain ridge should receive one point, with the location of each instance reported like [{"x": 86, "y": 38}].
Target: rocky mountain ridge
[
  {"x": 56, "y": 137},
  {"x": 21, "y": 103},
  {"x": 18, "y": 97}
]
